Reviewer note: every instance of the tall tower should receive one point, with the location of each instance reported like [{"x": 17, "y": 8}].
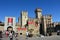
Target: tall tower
[
  {"x": 24, "y": 18},
  {"x": 38, "y": 12}
]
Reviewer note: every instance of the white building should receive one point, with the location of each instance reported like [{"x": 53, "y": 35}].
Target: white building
[{"x": 10, "y": 21}]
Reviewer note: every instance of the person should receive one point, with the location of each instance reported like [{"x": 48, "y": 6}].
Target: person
[
  {"x": 11, "y": 32},
  {"x": 0, "y": 35},
  {"x": 7, "y": 33},
  {"x": 16, "y": 36},
  {"x": 11, "y": 36},
  {"x": 27, "y": 34}
]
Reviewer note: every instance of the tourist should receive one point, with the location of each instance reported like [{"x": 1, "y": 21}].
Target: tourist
[
  {"x": 27, "y": 34},
  {"x": 10, "y": 36},
  {"x": 0, "y": 35}
]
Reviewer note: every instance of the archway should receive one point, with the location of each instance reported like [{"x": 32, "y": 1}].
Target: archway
[{"x": 9, "y": 28}]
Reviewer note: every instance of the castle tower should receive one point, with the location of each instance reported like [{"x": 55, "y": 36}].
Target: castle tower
[
  {"x": 24, "y": 18},
  {"x": 38, "y": 12}
]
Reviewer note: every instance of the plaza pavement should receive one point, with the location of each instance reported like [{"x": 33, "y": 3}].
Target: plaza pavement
[{"x": 54, "y": 37}]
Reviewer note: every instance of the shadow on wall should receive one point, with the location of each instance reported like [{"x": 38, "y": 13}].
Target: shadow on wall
[
  {"x": 57, "y": 28},
  {"x": 41, "y": 29}
]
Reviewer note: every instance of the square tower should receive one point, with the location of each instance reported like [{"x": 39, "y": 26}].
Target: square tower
[
  {"x": 24, "y": 18},
  {"x": 38, "y": 12}
]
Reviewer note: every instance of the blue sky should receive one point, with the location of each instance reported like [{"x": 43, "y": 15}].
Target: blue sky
[{"x": 14, "y": 8}]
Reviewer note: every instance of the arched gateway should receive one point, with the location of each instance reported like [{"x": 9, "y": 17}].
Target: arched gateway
[
  {"x": 10, "y": 23},
  {"x": 9, "y": 28}
]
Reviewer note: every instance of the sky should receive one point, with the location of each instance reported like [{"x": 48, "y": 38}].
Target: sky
[{"x": 13, "y": 8}]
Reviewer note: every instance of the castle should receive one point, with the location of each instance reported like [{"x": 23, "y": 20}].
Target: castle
[{"x": 35, "y": 26}]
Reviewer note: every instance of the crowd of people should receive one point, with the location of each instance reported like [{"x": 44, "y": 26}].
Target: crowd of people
[{"x": 10, "y": 33}]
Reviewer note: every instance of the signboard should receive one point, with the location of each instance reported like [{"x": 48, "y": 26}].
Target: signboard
[
  {"x": 10, "y": 21},
  {"x": 21, "y": 29}
]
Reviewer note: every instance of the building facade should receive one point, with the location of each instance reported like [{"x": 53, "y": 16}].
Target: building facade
[
  {"x": 47, "y": 21},
  {"x": 35, "y": 26},
  {"x": 1, "y": 26},
  {"x": 10, "y": 21},
  {"x": 38, "y": 25}
]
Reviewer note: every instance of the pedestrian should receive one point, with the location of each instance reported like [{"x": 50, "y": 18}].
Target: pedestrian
[
  {"x": 7, "y": 33},
  {"x": 16, "y": 36},
  {"x": 0, "y": 35},
  {"x": 10, "y": 36},
  {"x": 27, "y": 34}
]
